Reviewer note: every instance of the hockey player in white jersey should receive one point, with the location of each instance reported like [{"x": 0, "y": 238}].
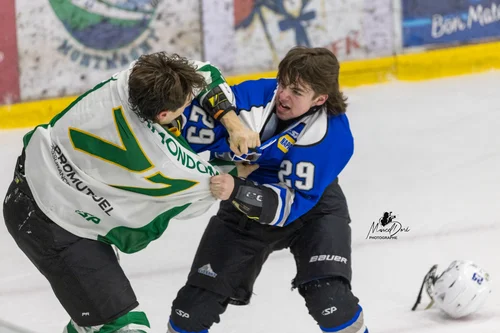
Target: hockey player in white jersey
[{"x": 108, "y": 171}]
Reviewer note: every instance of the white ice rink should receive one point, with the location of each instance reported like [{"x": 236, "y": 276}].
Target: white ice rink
[{"x": 428, "y": 151}]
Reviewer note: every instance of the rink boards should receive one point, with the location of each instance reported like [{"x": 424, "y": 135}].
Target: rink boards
[{"x": 411, "y": 67}]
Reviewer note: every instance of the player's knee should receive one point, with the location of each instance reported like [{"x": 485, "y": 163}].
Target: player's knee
[
  {"x": 195, "y": 310},
  {"x": 333, "y": 306}
]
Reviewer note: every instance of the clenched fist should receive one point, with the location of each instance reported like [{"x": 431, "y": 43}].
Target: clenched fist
[
  {"x": 241, "y": 138},
  {"x": 222, "y": 186}
]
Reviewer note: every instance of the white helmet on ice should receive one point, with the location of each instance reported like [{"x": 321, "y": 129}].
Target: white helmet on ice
[{"x": 459, "y": 291}]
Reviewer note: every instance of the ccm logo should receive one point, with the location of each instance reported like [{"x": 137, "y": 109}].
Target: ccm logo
[
  {"x": 328, "y": 257},
  {"x": 329, "y": 311},
  {"x": 181, "y": 313},
  {"x": 255, "y": 196}
]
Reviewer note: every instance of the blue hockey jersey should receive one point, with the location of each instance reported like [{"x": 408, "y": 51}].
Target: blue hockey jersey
[{"x": 297, "y": 164}]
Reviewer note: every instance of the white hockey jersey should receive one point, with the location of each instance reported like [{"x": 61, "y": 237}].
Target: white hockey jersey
[{"x": 101, "y": 173}]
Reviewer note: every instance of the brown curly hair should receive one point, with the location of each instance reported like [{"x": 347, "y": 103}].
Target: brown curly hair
[
  {"x": 319, "y": 68},
  {"x": 160, "y": 82}
]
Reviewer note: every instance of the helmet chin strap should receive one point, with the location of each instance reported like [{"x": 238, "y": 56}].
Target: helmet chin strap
[{"x": 429, "y": 280}]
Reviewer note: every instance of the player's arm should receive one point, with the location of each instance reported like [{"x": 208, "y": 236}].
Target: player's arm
[
  {"x": 218, "y": 100},
  {"x": 249, "y": 198},
  {"x": 302, "y": 183},
  {"x": 274, "y": 204}
]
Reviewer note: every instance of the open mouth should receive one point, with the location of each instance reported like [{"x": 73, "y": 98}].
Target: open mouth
[{"x": 284, "y": 106}]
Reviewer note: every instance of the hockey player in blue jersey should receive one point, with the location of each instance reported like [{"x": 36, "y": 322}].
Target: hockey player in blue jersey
[{"x": 292, "y": 200}]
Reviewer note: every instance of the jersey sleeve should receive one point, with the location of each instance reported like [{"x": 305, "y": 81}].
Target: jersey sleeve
[
  {"x": 213, "y": 76},
  {"x": 253, "y": 93},
  {"x": 217, "y": 98},
  {"x": 205, "y": 134},
  {"x": 202, "y": 131}
]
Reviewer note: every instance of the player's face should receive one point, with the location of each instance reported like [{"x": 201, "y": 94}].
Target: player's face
[{"x": 296, "y": 99}]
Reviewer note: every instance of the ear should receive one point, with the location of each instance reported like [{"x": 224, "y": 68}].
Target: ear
[
  {"x": 320, "y": 100},
  {"x": 162, "y": 117}
]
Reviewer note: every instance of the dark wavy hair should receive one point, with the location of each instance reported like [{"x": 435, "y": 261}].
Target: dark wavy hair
[
  {"x": 319, "y": 68},
  {"x": 160, "y": 82}
]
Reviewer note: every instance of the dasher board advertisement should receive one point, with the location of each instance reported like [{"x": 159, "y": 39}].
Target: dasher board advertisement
[{"x": 427, "y": 22}]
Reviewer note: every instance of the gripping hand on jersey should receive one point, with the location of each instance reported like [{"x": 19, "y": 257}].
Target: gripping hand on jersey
[
  {"x": 219, "y": 102},
  {"x": 222, "y": 186},
  {"x": 241, "y": 138}
]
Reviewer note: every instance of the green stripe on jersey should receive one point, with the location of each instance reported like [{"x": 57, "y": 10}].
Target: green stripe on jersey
[
  {"x": 130, "y": 240},
  {"x": 213, "y": 77}
]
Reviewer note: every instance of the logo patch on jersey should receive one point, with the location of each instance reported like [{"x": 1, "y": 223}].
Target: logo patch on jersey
[
  {"x": 118, "y": 30},
  {"x": 89, "y": 217},
  {"x": 294, "y": 134},
  {"x": 285, "y": 142}
]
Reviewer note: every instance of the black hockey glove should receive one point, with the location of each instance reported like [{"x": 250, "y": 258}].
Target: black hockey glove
[
  {"x": 218, "y": 101},
  {"x": 249, "y": 197}
]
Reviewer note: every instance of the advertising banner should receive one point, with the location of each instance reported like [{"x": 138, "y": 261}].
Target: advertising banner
[
  {"x": 9, "y": 78},
  {"x": 263, "y": 31},
  {"x": 68, "y": 46},
  {"x": 427, "y": 22}
]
